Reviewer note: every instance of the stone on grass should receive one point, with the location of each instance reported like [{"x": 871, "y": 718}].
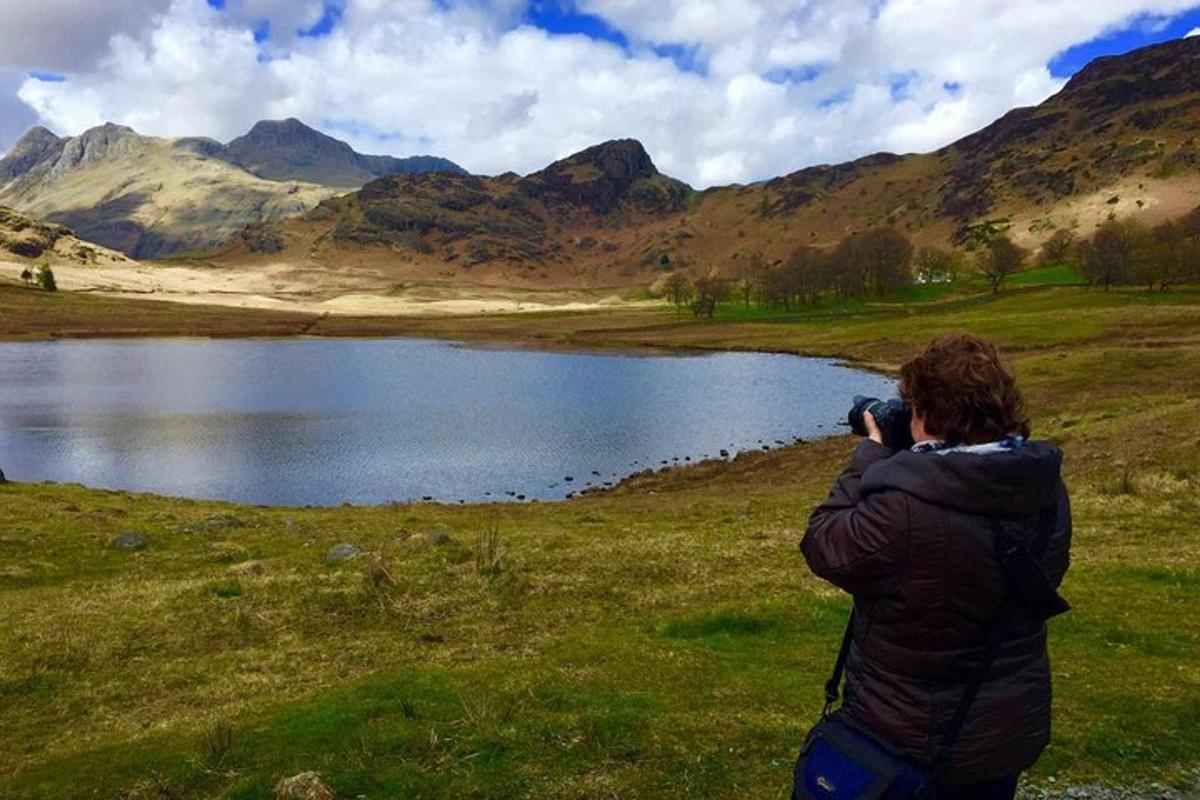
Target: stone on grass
[
  {"x": 249, "y": 569},
  {"x": 341, "y": 552},
  {"x": 128, "y": 542},
  {"x": 305, "y": 786},
  {"x": 436, "y": 537}
]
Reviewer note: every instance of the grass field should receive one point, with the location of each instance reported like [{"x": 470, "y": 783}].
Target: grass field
[{"x": 662, "y": 640}]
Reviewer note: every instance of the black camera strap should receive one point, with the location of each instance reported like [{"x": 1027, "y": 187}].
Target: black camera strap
[{"x": 1014, "y": 557}]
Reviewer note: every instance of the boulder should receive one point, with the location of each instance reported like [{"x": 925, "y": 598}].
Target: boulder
[
  {"x": 128, "y": 542},
  {"x": 305, "y": 786},
  {"x": 436, "y": 537},
  {"x": 341, "y": 552},
  {"x": 249, "y": 569}
]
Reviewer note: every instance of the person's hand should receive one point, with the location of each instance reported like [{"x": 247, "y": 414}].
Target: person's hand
[{"x": 873, "y": 432}]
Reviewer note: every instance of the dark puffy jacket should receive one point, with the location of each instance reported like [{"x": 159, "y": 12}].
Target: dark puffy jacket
[{"x": 910, "y": 536}]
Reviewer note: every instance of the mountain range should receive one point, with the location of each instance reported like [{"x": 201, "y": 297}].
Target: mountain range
[
  {"x": 151, "y": 197},
  {"x": 1120, "y": 139}
]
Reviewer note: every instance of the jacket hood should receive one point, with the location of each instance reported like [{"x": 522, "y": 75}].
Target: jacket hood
[{"x": 1015, "y": 482}]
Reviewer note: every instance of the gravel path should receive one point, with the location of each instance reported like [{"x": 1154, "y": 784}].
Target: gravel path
[{"x": 1149, "y": 791}]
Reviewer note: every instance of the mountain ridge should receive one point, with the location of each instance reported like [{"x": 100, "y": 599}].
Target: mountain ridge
[
  {"x": 1121, "y": 139},
  {"x": 288, "y": 149},
  {"x": 152, "y": 197}
]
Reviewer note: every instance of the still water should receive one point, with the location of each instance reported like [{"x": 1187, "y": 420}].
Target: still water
[{"x": 327, "y": 421}]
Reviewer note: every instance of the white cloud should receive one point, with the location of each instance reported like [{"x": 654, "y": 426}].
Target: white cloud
[
  {"x": 15, "y": 116},
  {"x": 406, "y": 76}
]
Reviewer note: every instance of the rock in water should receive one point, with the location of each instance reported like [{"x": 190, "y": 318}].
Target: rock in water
[
  {"x": 341, "y": 552},
  {"x": 305, "y": 786},
  {"x": 129, "y": 542}
]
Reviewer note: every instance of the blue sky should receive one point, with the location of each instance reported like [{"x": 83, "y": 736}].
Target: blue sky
[{"x": 1144, "y": 31}]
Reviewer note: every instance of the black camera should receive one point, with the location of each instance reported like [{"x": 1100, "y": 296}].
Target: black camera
[{"x": 892, "y": 416}]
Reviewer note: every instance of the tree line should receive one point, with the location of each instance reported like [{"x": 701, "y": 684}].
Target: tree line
[
  {"x": 877, "y": 261},
  {"x": 862, "y": 265},
  {"x": 1129, "y": 253}
]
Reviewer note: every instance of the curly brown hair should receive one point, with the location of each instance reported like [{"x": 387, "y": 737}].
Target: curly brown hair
[{"x": 964, "y": 391}]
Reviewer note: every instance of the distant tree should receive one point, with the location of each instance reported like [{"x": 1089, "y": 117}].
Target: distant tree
[
  {"x": 1163, "y": 256},
  {"x": 27, "y": 276},
  {"x": 678, "y": 289},
  {"x": 1059, "y": 249},
  {"x": 708, "y": 291},
  {"x": 806, "y": 274},
  {"x": 1000, "y": 259},
  {"x": 45, "y": 278},
  {"x": 747, "y": 277},
  {"x": 874, "y": 260},
  {"x": 1108, "y": 259},
  {"x": 1189, "y": 228}
]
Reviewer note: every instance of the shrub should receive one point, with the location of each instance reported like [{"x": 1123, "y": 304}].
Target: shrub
[
  {"x": 45, "y": 278},
  {"x": 489, "y": 552},
  {"x": 218, "y": 741},
  {"x": 377, "y": 574}
]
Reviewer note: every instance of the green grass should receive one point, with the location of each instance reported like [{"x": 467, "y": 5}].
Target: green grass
[
  {"x": 1057, "y": 275},
  {"x": 664, "y": 640}
]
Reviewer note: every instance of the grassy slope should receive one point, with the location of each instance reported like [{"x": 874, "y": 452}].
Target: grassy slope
[
  {"x": 662, "y": 640},
  {"x": 171, "y": 191}
]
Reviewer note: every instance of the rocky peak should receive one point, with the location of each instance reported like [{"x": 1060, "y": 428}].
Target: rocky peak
[
  {"x": 97, "y": 144},
  {"x": 290, "y": 150},
  {"x": 287, "y": 133},
  {"x": 624, "y": 160},
  {"x": 35, "y": 137},
  {"x": 602, "y": 177},
  {"x": 36, "y": 146}
]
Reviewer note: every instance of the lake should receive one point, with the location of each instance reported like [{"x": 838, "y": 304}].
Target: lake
[{"x": 370, "y": 421}]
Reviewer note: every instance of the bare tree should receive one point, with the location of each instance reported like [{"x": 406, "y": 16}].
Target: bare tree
[
  {"x": 1109, "y": 257},
  {"x": 1001, "y": 259},
  {"x": 805, "y": 274},
  {"x": 747, "y": 277},
  {"x": 708, "y": 291},
  {"x": 1163, "y": 256},
  {"x": 874, "y": 260},
  {"x": 678, "y": 289},
  {"x": 1059, "y": 249}
]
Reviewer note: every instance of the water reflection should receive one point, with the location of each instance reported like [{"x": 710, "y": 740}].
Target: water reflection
[{"x": 371, "y": 421}]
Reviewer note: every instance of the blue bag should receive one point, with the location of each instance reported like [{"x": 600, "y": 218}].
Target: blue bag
[{"x": 838, "y": 762}]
